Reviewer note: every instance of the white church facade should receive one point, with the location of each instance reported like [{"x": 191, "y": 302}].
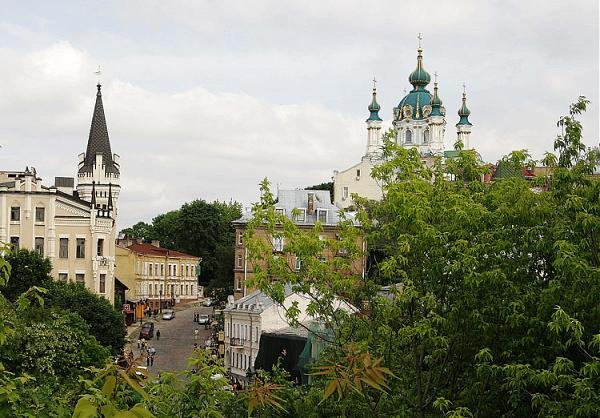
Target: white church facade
[{"x": 419, "y": 121}]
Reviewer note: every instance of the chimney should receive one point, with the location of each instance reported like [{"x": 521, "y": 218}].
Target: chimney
[
  {"x": 155, "y": 243},
  {"x": 311, "y": 203}
]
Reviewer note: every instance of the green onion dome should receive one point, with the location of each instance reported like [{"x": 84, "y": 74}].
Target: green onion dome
[
  {"x": 436, "y": 102},
  {"x": 464, "y": 112},
  {"x": 419, "y": 77},
  {"x": 374, "y": 107}
]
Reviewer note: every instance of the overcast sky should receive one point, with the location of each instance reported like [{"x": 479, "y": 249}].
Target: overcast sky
[{"x": 204, "y": 98}]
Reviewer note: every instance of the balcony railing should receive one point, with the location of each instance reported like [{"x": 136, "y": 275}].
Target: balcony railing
[{"x": 235, "y": 342}]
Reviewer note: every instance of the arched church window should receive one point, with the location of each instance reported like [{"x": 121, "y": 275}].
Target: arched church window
[
  {"x": 426, "y": 136},
  {"x": 408, "y": 137}
]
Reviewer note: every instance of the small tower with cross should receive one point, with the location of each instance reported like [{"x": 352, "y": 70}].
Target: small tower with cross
[
  {"x": 373, "y": 126},
  {"x": 463, "y": 127}
]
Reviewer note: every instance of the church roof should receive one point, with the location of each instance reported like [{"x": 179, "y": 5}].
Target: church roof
[
  {"x": 98, "y": 141},
  {"x": 464, "y": 112},
  {"x": 374, "y": 107}
]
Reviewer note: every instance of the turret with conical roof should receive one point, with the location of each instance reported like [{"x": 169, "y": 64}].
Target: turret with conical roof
[
  {"x": 419, "y": 77},
  {"x": 374, "y": 106},
  {"x": 98, "y": 171},
  {"x": 464, "y": 111},
  {"x": 98, "y": 141},
  {"x": 436, "y": 102}
]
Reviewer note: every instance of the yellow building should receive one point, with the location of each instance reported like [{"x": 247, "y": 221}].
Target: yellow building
[
  {"x": 155, "y": 274},
  {"x": 73, "y": 226}
]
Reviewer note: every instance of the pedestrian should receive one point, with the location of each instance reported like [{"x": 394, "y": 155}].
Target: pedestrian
[
  {"x": 152, "y": 352},
  {"x": 143, "y": 344},
  {"x": 157, "y": 334},
  {"x": 139, "y": 343},
  {"x": 196, "y": 332},
  {"x": 147, "y": 360}
]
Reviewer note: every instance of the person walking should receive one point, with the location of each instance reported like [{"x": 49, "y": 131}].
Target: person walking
[
  {"x": 152, "y": 352},
  {"x": 157, "y": 334},
  {"x": 196, "y": 332}
]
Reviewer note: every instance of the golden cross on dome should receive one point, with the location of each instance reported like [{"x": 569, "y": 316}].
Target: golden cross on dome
[
  {"x": 374, "y": 83},
  {"x": 420, "y": 37},
  {"x": 464, "y": 88},
  {"x": 435, "y": 76}
]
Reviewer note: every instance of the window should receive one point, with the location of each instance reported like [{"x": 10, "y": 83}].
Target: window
[
  {"x": 358, "y": 173},
  {"x": 15, "y": 213},
  {"x": 187, "y": 289},
  {"x": 408, "y": 137},
  {"x": 100, "y": 246},
  {"x": 80, "y": 252},
  {"x": 39, "y": 214},
  {"x": 300, "y": 215},
  {"x": 63, "y": 277},
  {"x": 280, "y": 211},
  {"x": 160, "y": 291},
  {"x": 14, "y": 241},
  {"x": 151, "y": 269},
  {"x": 39, "y": 245},
  {"x": 162, "y": 269},
  {"x": 80, "y": 278},
  {"x": 298, "y": 264},
  {"x": 240, "y": 238},
  {"x": 239, "y": 284},
  {"x": 63, "y": 248},
  {"x": 156, "y": 269},
  {"x": 156, "y": 289},
  {"x": 344, "y": 192},
  {"x": 426, "y": 136},
  {"x": 239, "y": 261},
  {"x": 103, "y": 283},
  {"x": 181, "y": 290},
  {"x": 174, "y": 269},
  {"x": 278, "y": 244},
  {"x": 192, "y": 289},
  {"x": 149, "y": 290},
  {"x": 322, "y": 215}
]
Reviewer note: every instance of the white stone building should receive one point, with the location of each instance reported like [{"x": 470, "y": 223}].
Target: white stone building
[{"x": 73, "y": 226}]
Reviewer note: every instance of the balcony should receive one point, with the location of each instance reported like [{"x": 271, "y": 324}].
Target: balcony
[{"x": 236, "y": 342}]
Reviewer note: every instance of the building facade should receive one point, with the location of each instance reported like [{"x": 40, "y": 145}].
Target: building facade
[
  {"x": 311, "y": 206},
  {"x": 157, "y": 275},
  {"x": 419, "y": 121},
  {"x": 74, "y": 226}
]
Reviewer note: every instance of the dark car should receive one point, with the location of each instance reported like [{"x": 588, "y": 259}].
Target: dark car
[{"x": 147, "y": 331}]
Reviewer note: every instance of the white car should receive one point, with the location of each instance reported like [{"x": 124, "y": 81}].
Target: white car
[
  {"x": 168, "y": 314},
  {"x": 207, "y": 302},
  {"x": 203, "y": 319}
]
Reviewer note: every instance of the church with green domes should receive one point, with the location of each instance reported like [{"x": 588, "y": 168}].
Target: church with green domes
[{"x": 419, "y": 121}]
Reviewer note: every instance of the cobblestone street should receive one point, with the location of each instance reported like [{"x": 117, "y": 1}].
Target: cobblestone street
[{"x": 176, "y": 339}]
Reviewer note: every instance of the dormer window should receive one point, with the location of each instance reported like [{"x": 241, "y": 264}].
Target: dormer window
[
  {"x": 408, "y": 137},
  {"x": 426, "y": 136},
  {"x": 322, "y": 215},
  {"x": 300, "y": 215}
]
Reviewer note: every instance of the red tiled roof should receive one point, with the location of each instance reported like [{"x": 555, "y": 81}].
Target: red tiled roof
[{"x": 149, "y": 249}]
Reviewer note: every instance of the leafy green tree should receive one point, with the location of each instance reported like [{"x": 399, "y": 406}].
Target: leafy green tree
[
  {"x": 139, "y": 230},
  {"x": 104, "y": 322},
  {"x": 28, "y": 268}
]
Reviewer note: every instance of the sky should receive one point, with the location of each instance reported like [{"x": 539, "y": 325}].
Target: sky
[{"x": 205, "y": 98}]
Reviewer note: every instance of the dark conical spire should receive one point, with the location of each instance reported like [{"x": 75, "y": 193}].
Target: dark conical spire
[{"x": 98, "y": 142}]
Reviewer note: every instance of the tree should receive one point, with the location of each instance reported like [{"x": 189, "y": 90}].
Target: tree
[
  {"x": 28, "y": 268},
  {"x": 105, "y": 323},
  {"x": 139, "y": 230}
]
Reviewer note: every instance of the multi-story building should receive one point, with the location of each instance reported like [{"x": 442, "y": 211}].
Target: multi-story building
[
  {"x": 310, "y": 206},
  {"x": 419, "y": 121},
  {"x": 73, "y": 226},
  {"x": 156, "y": 274}
]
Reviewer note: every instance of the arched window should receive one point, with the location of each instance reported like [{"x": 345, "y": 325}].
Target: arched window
[
  {"x": 426, "y": 136},
  {"x": 408, "y": 137}
]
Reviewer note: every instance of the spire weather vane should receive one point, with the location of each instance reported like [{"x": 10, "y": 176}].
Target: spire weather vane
[
  {"x": 435, "y": 76},
  {"x": 98, "y": 73},
  {"x": 420, "y": 37},
  {"x": 374, "y": 83},
  {"x": 464, "y": 88}
]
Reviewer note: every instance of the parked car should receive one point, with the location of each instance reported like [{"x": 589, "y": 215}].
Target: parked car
[
  {"x": 208, "y": 302},
  {"x": 147, "y": 331},
  {"x": 168, "y": 314},
  {"x": 203, "y": 319}
]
